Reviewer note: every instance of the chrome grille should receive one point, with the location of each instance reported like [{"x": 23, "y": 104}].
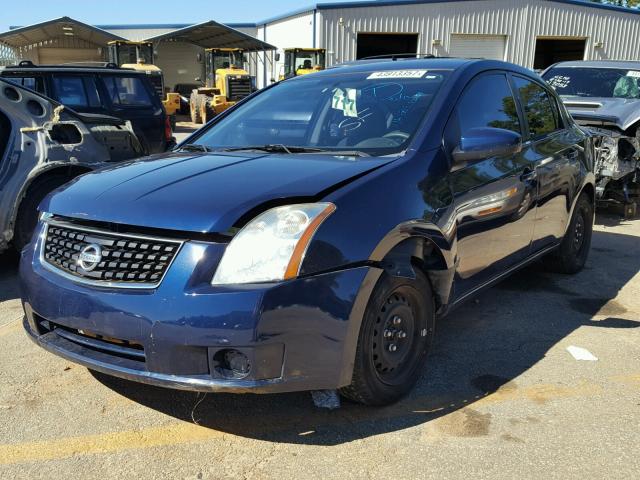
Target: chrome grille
[{"x": 115, "y": 259}]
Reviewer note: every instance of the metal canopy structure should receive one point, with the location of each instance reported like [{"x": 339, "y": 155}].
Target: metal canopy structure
[
  {"x": 212, "y": 34},
  {"x": 63, "y": 28}
]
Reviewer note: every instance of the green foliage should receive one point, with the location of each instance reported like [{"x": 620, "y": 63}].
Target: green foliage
[{"x": 620, "y": 3}]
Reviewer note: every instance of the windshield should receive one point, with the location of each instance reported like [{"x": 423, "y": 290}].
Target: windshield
[
  {"x": 227, "y": 59},
  {"x": 594, "y": 82},
  {"x": 376, "y": 113}
]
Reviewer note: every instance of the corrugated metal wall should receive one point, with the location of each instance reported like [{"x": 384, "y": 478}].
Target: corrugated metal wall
[
  {"x": 295, "y": 31},
  {"x": 521, "y": 21}
]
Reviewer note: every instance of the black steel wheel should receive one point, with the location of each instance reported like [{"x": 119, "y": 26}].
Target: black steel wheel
[
  {"x": 571, "y": 255},
  {"x": 394, "y": 340}
]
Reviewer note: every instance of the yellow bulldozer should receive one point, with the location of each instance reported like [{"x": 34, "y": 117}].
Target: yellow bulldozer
[
  {"x": 139, "y": 56},
  {"x": 226, "y": 83},
  {"x": 302, "y": 61}
]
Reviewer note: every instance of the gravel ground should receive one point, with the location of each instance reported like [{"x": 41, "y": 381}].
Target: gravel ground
[{"x": 501, "y": 397}]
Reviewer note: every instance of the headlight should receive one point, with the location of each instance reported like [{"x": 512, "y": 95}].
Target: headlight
[{"x": 271, "y": 247}]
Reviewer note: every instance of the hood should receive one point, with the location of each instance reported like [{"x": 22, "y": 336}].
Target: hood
[
  {"x": 622, "y": 112},
  {"x": 205, "y": 193}
]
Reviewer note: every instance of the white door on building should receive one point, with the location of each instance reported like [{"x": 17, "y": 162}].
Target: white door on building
[{"x": 478, "y": 46}]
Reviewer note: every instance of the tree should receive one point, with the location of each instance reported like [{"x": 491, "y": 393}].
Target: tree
[{"x": 635, "y": 4}]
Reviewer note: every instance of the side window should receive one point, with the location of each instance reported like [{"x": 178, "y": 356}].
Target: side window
[
  {"x": 127, "y": 91},
  {"x": 32, "y": 83},
  {"x": 488, "y": 102},
  {"x": 542, "y": 112},
  {"x": 76, "y": 91}
]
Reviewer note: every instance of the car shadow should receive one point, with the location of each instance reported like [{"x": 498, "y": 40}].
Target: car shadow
[
  {"x": 480, "y": 348},
  {"x": 9, "y": 276}
]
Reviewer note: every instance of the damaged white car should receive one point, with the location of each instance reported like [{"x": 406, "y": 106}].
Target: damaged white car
[
  {"x": 44, "y": 145},
  {"x": 604, "y": 96}
]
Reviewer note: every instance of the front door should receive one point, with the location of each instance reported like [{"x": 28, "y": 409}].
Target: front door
[{"x": 494, "y": 197}]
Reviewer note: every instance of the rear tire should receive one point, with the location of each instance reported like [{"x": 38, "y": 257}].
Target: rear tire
[
  {"x": 572, "y": 254},
  {"x": 395, "y": 337},
  {"x": 194, "y": 108},
  {"x": 28, "y": 210}
]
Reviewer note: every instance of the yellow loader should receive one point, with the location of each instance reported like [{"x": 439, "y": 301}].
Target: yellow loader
[
  {"x": 302, "y": 61},
  {"x": 227, "y": 82}
]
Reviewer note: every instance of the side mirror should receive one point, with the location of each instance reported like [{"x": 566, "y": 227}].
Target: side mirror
[
  {"x": 485, "y": 142},
  {"x": 277, "y": 57}
]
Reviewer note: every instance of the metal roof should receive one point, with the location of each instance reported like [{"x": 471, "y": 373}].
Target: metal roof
[
  {"x": 386, "y": 3},
  {"x": 63, "y": 27},
  {"x": 212, "y": 34}
]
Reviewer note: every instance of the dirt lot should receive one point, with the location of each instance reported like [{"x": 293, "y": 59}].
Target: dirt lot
[{"x": 501, "y": 398}]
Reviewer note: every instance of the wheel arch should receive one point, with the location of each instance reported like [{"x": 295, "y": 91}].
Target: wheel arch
[
  {"x": 427, "y": 255},
  {"x": 67, "y": 170}
]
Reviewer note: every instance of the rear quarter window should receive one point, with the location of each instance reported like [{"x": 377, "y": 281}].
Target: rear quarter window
[
  {"x": 32, "y": 83},
  {"x": 127, "y": 91}
]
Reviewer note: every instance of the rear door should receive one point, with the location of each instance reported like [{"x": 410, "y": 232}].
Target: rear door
[
  {"x": 132, "y": 97},
  {"x": 557, "y": 150},
  {"x": 77, "y": 91},
  {"x": 494, "y": 197}
]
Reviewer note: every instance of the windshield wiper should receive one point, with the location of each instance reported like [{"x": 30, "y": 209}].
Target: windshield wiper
[
  {"x": 273, "y": 148},
  {"x": 193, "y": 147},
  {"x": 279, "y": 148},
  {"x": 343, "y": 153}
]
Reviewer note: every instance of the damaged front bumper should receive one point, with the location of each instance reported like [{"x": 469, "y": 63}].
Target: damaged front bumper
[
  {"x": 617, "y": 165},
  {"x": 294, "y": 336}
]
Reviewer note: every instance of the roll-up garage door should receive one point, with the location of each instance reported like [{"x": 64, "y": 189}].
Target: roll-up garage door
[
  {"x": 54, "y": 56},
  {"x": 478, "y": 46}
]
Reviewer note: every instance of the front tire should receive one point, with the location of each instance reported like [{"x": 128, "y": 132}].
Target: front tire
[
  {"x": 194, "y": 108},
  {"x": 572, "y": 254},
  {"x": 395, "y": 337}
]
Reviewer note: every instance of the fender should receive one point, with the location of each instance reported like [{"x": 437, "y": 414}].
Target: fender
[{"x": 6, "y": 226}]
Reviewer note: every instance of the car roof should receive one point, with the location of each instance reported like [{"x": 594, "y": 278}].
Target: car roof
[
  {"x": 624, "y": 64},
  {"x": 70, "y": 69},
  {"x": 433, "y": 63}
]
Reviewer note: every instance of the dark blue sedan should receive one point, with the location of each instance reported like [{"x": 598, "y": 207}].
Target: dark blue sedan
[{"x": 310, "y": 237}]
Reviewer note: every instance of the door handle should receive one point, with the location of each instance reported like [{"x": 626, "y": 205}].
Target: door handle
[{"x": 528, "y": 175}]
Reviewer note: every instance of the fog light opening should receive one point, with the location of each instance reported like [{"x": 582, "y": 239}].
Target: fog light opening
[{"x": 232, "y": 364}]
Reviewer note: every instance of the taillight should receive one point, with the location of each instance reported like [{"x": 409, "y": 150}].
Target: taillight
[{"x": 168, "y": 134}]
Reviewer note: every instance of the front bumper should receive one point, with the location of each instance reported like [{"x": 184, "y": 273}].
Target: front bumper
[{"x": 298, "y": 335}]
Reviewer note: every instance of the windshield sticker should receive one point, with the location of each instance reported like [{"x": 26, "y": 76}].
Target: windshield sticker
[
  {"x": 345, "y": 100},
  {"x": 559, "y": 81},
  {"x": 397, "y": 74},
  {"x": 633, "y": 73}
]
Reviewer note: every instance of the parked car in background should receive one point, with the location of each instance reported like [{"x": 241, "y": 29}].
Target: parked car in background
[
  {"x": 604, "y": 96},
  {"x": 118, "y": 92},
  {"x": 43, "y": 145},
  {"x": 309, "y": 237}
]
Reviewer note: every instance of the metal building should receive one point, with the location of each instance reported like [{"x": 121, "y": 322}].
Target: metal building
[{"x": 533, "y": 33}]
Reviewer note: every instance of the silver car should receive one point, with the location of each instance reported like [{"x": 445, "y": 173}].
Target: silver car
[
  {"x": 44, "y": 145},
  {"x": 604, "y": 96}
]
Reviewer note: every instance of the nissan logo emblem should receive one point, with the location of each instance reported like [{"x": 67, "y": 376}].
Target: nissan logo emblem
[{"x": 90, "y": 257}]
